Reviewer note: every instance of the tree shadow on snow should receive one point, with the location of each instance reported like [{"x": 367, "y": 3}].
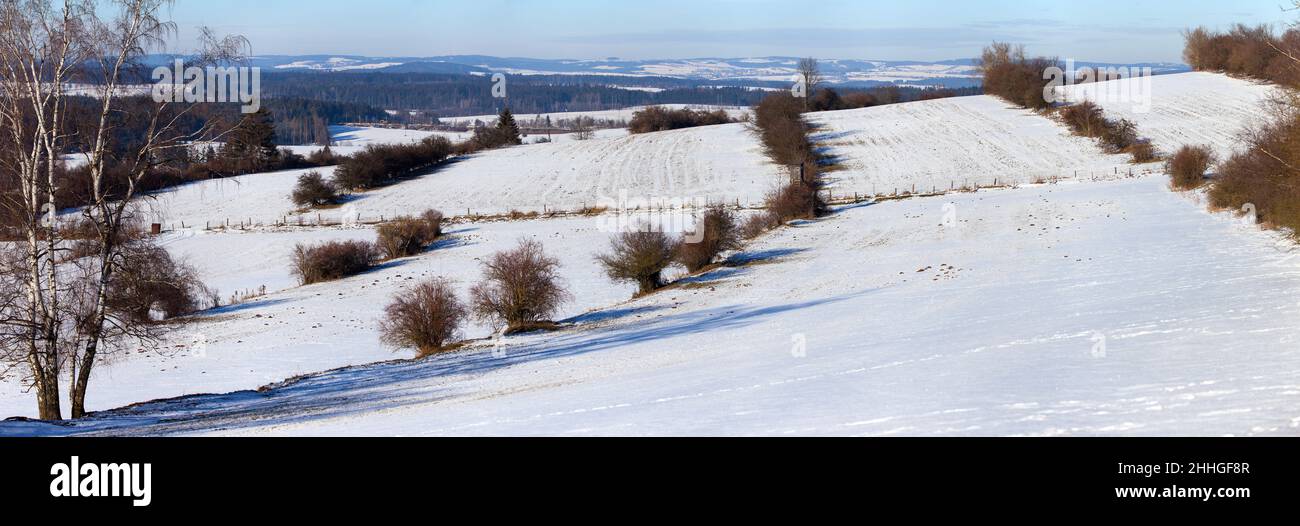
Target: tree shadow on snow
[{"x": 367, "y": 389}]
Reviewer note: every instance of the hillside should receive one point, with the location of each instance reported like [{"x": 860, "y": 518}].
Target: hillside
[
  {"x": 1098, "y": 306},
  {"x": 878, "y": 320},
  {"x": 1187, "y": 108},
  {"x": 964, "y": 141},
  {"x": 709, "y": 163}
]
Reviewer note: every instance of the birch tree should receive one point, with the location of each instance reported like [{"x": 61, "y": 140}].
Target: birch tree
[{"x": 60, "y": 319}]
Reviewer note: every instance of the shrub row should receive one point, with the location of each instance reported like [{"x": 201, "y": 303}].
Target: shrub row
[
  {"x": 382, "y": 163},
  {"x": 828, "y": 99},
  {"x": 1247, "y": 51},
  {"x": 402, "y": 237},
  {"x": 1009, "y": 74},
  {"x": 784, "y": 134},
  {"x": 1116, "y": 136},
  {"x": 520, "y": 288},
  {"x": 778, "y": 118},
  {"x": 1264, "y": 175},
  {"x": 641, "y": 255},
  {"x": 656, "y": 119}
]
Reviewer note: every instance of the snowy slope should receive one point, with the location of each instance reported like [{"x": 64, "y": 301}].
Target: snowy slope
[
  {"x": 713, "y": 162},
  {"x": 319, "y": 327},
  {"x": 1186, "y": 108},
  {"x": 939, "y": 144},
  {"x": 1109, "y": 308}
]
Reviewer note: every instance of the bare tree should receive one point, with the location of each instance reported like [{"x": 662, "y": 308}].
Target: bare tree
[
  {"x": 810, "y": 74},
  {"x": 63, "y": 321},
  {"x": 39, "y": 49},
  {"x": 583, "y": 129}
]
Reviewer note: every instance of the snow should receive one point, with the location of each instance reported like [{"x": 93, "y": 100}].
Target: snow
[
  {"x": 1102, "y": 308},
  {"x": 1098, "y": 305},
  {"x": 297, "y": 330},
  {"x": 338, "y": 64},
  {"x": 1186, "y": 108},
  {"x": 958, "y": 141},
  {"x": 713, "y": 163}
]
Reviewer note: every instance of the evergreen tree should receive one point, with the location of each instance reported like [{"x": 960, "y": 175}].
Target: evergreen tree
[
  {"x": 508, "y": 129},
  {"x": 251, "y": 145}
]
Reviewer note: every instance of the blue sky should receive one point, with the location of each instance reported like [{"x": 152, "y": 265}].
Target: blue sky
[{"x": 1099, "y": 30}]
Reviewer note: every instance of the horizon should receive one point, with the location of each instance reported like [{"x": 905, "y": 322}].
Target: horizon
[
  {"x": 1110, "y": 31},
  {"x": 652, "y": 59}
]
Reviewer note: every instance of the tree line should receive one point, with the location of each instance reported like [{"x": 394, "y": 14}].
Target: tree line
[
  {"x": 1261, "y": 180},
  {"x": 447, "y": 95},
  {"x": 1247, "y": 51}
]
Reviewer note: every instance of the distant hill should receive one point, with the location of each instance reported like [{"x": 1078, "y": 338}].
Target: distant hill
[{"x": 753, "y": 71}]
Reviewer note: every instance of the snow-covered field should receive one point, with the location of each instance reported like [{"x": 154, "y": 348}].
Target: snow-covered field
[
  {"x": 1111, "y": 308},
  {"x": 714, "y": 163},
  {"x": 1185, "y": 109},
  {"x": 939, "y": 144},
  {"x": 306, "y": 329},
  {"x": 1101, "y": 305}
]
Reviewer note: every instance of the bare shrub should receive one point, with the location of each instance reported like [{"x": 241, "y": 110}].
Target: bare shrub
[
  {"x": 1143, "y": 151},
  {"x": 427, "y": 317},
  {"x": 716, "y": 233},
  {"x": 520, "y": 287},
  {"x": 1084, "y": 118},
  {"x": 757, "y": 224},
  {"x": 1188, "y": 165},
  {"x": 639, "y": 256},
  {"x": 434, "y": 220},
  {"x": 1119, "y": 135},
  {"x": 1264, "y": 175},
  {"x": 795, "y": 201},
  {"x": 408, "y": 236},
  {"x": 313, "y": 190},
  {"x": 150, "y": 282},
  {"x": 332, "y": 260}
]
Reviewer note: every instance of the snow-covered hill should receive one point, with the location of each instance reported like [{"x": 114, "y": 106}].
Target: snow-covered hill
[
  {"x": 1186, "y": 109},
  {"x": 298, "y": 330},
  {"x": 956, "y": 142},
  {"x": 1088, "y": 307},
  {"x": 709, "y": 163},
  {"x": 1101, "y": 308},
  {"x": 733, "y": 71}
]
